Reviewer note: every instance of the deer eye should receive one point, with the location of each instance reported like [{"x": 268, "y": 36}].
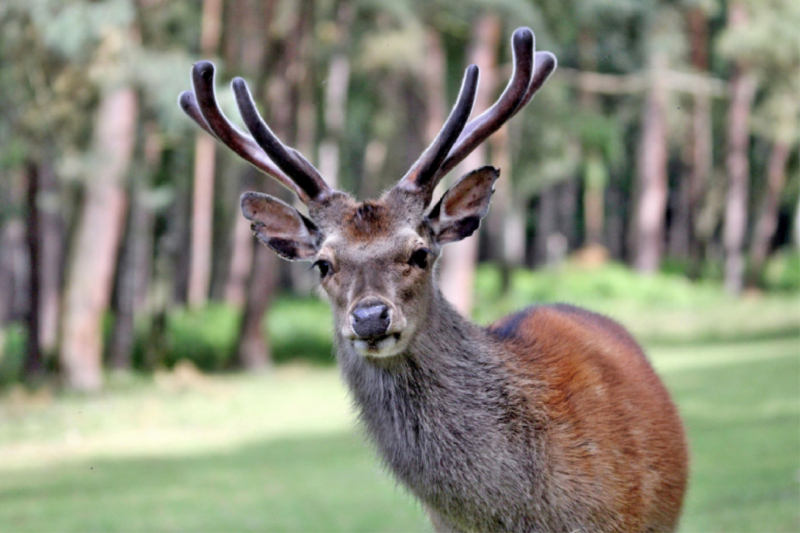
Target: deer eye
[
  {"x": 419, "y": 258},
  {"x": 324, "y": 267}
]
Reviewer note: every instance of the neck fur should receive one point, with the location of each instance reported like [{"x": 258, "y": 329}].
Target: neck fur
[{"x": 434, "y": 411}]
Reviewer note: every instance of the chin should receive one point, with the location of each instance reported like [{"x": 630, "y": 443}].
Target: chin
[{"x": 380, "y": 347}]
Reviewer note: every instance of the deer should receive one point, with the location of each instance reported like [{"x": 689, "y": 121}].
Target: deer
[{"x": 550, "y": 419}]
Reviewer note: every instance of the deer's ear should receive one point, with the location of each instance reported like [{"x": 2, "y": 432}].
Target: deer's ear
[
  {"x": 280, "y": 226},
  {"x": 458, "y": 214}
]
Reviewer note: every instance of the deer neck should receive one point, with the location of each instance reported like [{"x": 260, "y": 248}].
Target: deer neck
[{"x": 434, "y": 411}]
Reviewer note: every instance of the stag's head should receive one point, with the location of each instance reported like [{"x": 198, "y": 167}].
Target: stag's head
[{"x": 376, "y": 258}]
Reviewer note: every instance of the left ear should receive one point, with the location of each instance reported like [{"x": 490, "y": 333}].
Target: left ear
[{"x": 458, "y": 214}]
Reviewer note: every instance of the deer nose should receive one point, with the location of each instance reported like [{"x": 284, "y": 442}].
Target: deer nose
[{"x": 371, "y": 319}]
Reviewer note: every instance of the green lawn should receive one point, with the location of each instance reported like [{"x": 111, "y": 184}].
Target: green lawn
[{"x": 187, "y": 452}]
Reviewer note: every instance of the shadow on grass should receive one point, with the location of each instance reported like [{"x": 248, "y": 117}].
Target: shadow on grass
[{"x": 330, "y": 483}]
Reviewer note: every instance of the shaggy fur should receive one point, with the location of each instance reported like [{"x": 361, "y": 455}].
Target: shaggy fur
[
  {"x": 532, "y": 425},
  {"x": 551, "y": 419}
]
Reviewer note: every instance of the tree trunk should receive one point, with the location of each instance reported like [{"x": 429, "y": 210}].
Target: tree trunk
[
  {"x": 652, "y": 170},
  {"x": 241, "y": 263},
  {"x": 336, "y": 88},
  {"x": 595, "y": 182},
  {"x": 501, "y": 216},
  {"x": 204, "y": 162},
  {"x": 743, "y": 90},
  {"x": 14, "y": 263},
  {"x": 52, "y": 258},
  {"x": 701, "y": 146},
  {"x": 460, "y": 258},
  {"x": 32, "y": 367},
  {"x": 245, "y": 49},
  {"x": 97, "y": 240},
  {"x": 768, "y": 219},
  {"x": 134, "y": 270},
  {"x": 254, "y": 352}
]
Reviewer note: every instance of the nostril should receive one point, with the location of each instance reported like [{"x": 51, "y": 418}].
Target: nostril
[{"x": 371, "y": 320}]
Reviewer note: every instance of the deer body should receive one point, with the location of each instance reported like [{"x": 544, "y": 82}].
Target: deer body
[
  {"x": 549, "y": 420},
  {"x": 498, "y": 430}
]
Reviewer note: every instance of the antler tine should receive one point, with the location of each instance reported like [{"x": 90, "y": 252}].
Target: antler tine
[
  {"x": 544, "y": 64},
  {"x": 202, "y": 107},
  {"x": 297, "y": 167},
  {"x": 530, "y": 72},
  {"x": 188, "y": 103},
  {"x": 420, "y": 176}
]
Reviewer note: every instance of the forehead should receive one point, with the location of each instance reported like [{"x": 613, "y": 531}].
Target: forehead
[{"x": 372, "y": 226}]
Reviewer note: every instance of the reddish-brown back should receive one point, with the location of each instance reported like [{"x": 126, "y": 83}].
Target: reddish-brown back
[{"x": 614, "y": 434}]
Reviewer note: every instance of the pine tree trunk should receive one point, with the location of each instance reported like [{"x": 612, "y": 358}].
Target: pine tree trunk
[
  {"x": 336, "y": 88},
  {"x": 743, "y": 89},
  {"x": 501, "y": 213},
  {"x": 701, "y": 147},
  {"x": 254, "y": 352},
  {"x": 768, "y": 218},
  {"x": 594, "y": 182},
  {"x": 459, "y": 259},
  {"x": 32, "y": 366},
  {"x": 14, "y": 263},
  {"x": 97, "y": 240},
  {"x": 52, "y": 258},
  {"x": 245, "y": 49},
  {"x": 652, "y": 170},
  {"x": 240, "y": 264},
  {"x": 134, "y": 270},
  {"x": 204, "y": 163}
]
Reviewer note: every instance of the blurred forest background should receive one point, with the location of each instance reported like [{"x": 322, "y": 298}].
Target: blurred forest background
[
  {"x": 661, "y": 158},
  {"x": 159, "y": 371}
]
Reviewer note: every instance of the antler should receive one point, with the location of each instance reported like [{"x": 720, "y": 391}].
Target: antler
[
  {"x": 292, "y": 170},
  {"x": 530, "y": 72},
  {"x": 420, "y": 176}
]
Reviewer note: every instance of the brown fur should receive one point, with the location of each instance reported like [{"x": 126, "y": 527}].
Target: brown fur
[{"x": 612, "y": 429}]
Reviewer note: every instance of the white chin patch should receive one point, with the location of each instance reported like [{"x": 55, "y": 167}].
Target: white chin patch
[{"x": 386, "y": 346}]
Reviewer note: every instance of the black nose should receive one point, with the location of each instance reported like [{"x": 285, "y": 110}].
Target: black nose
[{"x": 371, "y": 319}]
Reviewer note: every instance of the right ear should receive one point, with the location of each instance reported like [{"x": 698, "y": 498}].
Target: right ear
[
  {"x": 281, "y": 227},
  {"x": 458, "y": 214}
]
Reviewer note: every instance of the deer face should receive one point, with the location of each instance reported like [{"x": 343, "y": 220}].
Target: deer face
[{"x": 376, "y": 259}]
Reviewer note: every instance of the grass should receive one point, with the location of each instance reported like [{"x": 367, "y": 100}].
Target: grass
[{"x": 279, "y": 452}]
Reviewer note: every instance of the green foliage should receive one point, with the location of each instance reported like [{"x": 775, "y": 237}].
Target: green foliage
[
  {"x": 12, "y": 353},
  {"x": 782, "y": 271},
  {"x": 298, "y": 329},
  {"x": 301, "y": 329},
  {"x": 574, "y": 283},
  {"x": 663, "y": 308},
  {"x": 206, "y": 336}
]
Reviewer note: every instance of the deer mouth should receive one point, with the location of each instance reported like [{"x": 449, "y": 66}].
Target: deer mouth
[{"x": 378, "y": 346}]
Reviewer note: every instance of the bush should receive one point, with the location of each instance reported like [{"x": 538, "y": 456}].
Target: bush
[
  {"x": 301, "y": 329},
  {"x": 206, "y": 337},
  {"x": 298, "y": 329},
  {"x": 782, "y": 271},
  {"x": 590, "y": 287},
  {"x": 12, "y": 353}
]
